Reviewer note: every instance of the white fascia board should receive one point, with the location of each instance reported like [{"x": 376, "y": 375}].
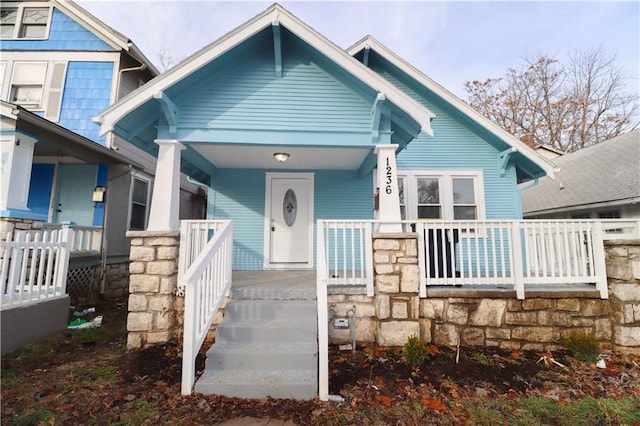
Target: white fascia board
[
  {"x": 521, "y": 147},
  {"x": 109, "y": 35},
  {"x": 276, "y": 13},
  {"x": 80, "y": 15}
]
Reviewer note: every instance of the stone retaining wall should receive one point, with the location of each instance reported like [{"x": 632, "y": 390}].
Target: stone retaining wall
[
  {"x": 447, "y": 316},
  {"x": 490, "y": 318}
]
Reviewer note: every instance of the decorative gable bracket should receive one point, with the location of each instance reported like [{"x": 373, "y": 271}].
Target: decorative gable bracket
[
  {"x": 277, "y": 48},
  {"x": 378, "y": 110},
  {"x": 503, "y": 160},
  {"x": 170, "y": 111}
]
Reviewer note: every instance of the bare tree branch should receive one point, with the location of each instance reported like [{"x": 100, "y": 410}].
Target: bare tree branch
[{"x": 568, "y": 106}]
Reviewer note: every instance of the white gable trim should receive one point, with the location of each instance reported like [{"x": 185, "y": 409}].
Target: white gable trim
[
  {"x": 110, "y": 36},
  {"x": 275, "y": 14},
  {"x": 519, "y": 146}
]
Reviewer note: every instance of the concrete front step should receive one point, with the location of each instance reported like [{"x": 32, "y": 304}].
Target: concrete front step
[
  {"x": 293, "y": 384},
  {"x": 273, "y": 292},
  {"x": 270, "y": 309},
  {"x": 276, "y": 330},
  {"x": 263, "y": 356}
]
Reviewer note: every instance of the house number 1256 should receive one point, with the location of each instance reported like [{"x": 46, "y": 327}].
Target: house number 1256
[{"x": 388, "y": 189}]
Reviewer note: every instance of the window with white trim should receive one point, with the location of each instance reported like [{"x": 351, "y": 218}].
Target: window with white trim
[
  {"x": 24, "y": 22},
  {"x": 449, "y": 195},
  {"x": 35, "y": 85},
  {"x": 27, "y": 84},
  {"x": 139, "y": 212}
]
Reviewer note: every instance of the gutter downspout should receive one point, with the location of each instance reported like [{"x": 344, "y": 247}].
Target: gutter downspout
[{"x": 140, "y": 67}]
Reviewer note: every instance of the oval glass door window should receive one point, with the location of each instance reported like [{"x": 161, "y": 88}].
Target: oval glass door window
[{"x": 290, "y": 207}]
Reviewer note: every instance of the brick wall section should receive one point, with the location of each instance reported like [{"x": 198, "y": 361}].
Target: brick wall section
[{"x": 153, "y": 306}]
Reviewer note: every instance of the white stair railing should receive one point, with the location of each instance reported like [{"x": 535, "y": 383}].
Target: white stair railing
[{"x": 205, "y": 280}]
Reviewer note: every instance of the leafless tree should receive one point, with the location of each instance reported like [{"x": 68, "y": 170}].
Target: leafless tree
[
  {"x": 166, "y": 60},
  {"x": 566, "y": 105}
]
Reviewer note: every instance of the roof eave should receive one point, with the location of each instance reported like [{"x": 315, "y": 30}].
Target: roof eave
[
  {"x": 275, "y": 14},
  {"x": 369, "y": 42}
]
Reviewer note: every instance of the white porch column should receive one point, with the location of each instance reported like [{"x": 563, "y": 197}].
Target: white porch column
[
  {"x": 16, "y": 160},
  {"x": 388, "y": 198},
  {"x": 165, "y": 202}
]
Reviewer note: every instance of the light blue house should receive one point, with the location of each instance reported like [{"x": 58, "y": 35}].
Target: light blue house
[
  {"x": 274, "y": 111},
  {"x": 60, "y": 66}
]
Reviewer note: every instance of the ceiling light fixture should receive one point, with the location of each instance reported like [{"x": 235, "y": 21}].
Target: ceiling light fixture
[{"x": 281, "y": 156}]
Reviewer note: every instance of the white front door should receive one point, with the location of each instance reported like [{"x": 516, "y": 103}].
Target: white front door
[{"x": 289, "y": 221}]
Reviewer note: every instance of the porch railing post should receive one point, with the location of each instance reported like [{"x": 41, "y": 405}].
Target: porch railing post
[
  {"x": 188, "y": 338},
  {"x": 67, "y": 235},
  {"x": 599, "y": 261},
  {"x": 323, "y": 327},
  {"x": 422, "y": 264},
  {"x": 516, "y": 259},
  {"x": 368, "y": 241}
]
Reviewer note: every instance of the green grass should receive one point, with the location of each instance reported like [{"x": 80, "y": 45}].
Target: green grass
[
  {"x": 537, "y": 410},
  {"x": 39, "y": 417}
]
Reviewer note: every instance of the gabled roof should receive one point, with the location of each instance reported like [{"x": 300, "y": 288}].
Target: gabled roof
[
  {"x": 275, "y": 14},
  {"x": 102, "y": 30},
  {"x": 607, "y": 173},
  {"x": 524, "y": 154}
]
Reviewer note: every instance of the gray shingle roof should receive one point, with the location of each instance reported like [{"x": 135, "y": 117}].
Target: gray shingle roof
[{"x": 605, "y": 172}]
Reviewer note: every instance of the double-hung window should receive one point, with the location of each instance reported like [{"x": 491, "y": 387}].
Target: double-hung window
[
  {"x": 139, "y": 203},
  {"x": 24, "y": 22},
  {"x": 448, "y": 195}
]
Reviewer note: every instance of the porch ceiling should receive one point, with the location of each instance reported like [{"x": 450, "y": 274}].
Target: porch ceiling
[{"x": 261, "y": 157}]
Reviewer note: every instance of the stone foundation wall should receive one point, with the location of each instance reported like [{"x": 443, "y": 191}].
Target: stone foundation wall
[
  {"x": 154, "y": 310},
  {"x": 489, "y": 318},
  {"x": 11, "y": 224},
  {"x": 116, "y": 284}
]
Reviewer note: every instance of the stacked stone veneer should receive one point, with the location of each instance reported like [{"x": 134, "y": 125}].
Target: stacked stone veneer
[
  {"x": 154, "y": 310},
  {"x": 489, "y": 318},
  {"x": 9, "y": 224},
  {"x": 447, "y": 316},
  {"x": 116, "y": 276}
]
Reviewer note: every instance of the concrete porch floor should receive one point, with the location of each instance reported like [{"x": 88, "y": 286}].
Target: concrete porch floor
[{"x": 274, "y": 285}]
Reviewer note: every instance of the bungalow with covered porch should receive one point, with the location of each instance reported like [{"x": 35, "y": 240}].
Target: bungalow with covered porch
[{"x": 351, "y": 165}]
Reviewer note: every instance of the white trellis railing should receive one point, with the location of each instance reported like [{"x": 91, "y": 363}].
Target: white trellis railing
[
  {"x": 204, "y": 274},
  {"x": 34, "y": 266}
]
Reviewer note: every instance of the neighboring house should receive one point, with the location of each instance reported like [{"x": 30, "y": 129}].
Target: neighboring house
[
  {"x": 62, "y": 64},
  {"x": 276, "y": 86},
  {"x": 601, "y": 181}
]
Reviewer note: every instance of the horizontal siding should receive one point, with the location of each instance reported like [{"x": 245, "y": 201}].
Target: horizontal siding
[
  {"x": 64, "y": 34},
  {"x": 454, "y": 146},
  {"x": 249, "y": 96},
  {"x": 239, "y": 195},
  {"x": 87, "y": 92}
]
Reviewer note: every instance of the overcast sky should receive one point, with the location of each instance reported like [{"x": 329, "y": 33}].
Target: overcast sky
[{"x": 451, "y": 42}]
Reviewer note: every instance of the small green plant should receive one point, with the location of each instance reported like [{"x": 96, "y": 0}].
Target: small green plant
[
  {"x": 584, "y": 346},
  {"x": 415, "y": 351}
]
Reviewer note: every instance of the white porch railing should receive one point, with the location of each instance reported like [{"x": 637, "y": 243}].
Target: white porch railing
[
  {"x": 348, "y": 252},
  {"x": 86, "y": 239},
  {"x": 512, "y": 253},
  {"x": 34, "y": 266},
  {"x": 538, "y": 254},
  {"x": 204, "y": 273}
]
